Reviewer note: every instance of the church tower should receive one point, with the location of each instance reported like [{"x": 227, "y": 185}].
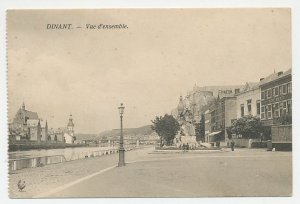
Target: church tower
[{"x": 70, "y": 125}]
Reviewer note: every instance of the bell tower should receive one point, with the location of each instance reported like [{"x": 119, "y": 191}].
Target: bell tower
[{"x": 71, "y": 125}]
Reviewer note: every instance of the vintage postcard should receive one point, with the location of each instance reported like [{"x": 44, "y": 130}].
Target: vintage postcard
[{"x": 146, "y": 103}]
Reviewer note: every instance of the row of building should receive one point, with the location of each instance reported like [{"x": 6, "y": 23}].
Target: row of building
[
  {"x": 28, "y": 127},
  {"x": 270, "y": 99}
]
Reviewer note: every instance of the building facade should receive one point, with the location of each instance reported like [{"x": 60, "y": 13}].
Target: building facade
[
  {"x": 200, "y": 97},
  {"x": 57, "y": 135},
  {"x": 276, "y": 99},
  {"x": 220, "y": 90},
  {"x": 220, "y": 116},
  {"x": 208, "y": 127},
  {"x": 34, "y": 130},
  {"x": 207, "y": 119},
  {"x": 44, "y": 131},
  {"x": 248, "y": 101}
]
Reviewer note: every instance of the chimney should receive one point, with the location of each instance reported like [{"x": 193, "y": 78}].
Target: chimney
[
  {"x": 261, "y": 79},
  {"x": 280, "y": 73}
]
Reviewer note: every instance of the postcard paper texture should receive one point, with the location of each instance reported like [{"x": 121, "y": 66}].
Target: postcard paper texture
[{"x": 149, "y": 103}]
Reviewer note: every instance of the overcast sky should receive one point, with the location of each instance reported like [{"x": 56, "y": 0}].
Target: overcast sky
[{"x": 161, "y": 55}]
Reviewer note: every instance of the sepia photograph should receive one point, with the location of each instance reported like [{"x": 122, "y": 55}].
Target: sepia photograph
[{"x": 149, "y": 103}]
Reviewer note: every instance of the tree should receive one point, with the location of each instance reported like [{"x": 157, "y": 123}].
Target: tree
[
  {"x": 166, "y": 127},
  {"x": 200, "y": 129},
  {"x": 248, "y": 126}
]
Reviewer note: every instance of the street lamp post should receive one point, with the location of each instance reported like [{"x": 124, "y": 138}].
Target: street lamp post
[{"x": 121, "y": 149}]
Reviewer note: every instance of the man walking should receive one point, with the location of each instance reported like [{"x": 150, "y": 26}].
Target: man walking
[{"x": 232, "y": 145}]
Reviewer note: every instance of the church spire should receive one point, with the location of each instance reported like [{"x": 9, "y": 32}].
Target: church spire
[
  {"x": 180, "y": 106},
  {"x": 23, "y": 106}
]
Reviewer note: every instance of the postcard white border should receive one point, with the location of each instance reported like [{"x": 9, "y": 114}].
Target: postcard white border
[{"x": 82, "y": 4}]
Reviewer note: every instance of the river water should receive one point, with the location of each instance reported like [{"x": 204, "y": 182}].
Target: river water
[
  {"x": 68, "y": 153},
  {"x": 36, "y": 158}
]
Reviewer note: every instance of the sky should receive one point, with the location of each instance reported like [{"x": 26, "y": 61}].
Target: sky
[{"x": 161, "y": 55}]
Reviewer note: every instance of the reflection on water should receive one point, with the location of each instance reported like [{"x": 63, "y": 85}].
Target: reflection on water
[
  {"x": 38, "y": 158},
  {"x": 68, "y": 153}
]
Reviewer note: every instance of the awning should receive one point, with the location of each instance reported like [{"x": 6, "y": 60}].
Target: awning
[{"x": 213, "y": 133}]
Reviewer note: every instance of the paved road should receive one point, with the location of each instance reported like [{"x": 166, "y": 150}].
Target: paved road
[
  {"x": 42, "y": 180},
  {"x": 240, "y": 173}
]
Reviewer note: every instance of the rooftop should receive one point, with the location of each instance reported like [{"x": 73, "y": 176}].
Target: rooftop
[
  {"x": 29, "y": 114},
  {"x": 274, "y": 77}
]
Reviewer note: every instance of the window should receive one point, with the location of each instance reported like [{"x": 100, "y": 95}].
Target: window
[
  {"x": 262, "y": 95},
  {"x": 276, "y": 110},
  {"x": 284, "y": 89},
  {"x": 269, "y": 93},
  {"x": 280, "y": 109},
  {"x": 269, "y": 114},
  {"x": 273, "y": 90},
  {"x": 262, "y": 112},
  {"x": 284, "y": 108},
  {"x": 276, "y": 91},
  {"x": 249, "y": 106},
  {"x": 266, "y": 94},
  {"x": 242, "y": 110},
  {"x": 257, "y": 107},
  {"x": 280, "y": 90},
  {"x": 249, "y": 109},
  {"x": 289, "y": 89}
]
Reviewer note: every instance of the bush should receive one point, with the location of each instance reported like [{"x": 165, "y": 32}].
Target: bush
[{"x": 248, "y": 126}]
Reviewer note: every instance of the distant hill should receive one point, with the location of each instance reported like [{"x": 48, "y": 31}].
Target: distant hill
[
  {"x": 144, "y": 130},
  {"x": 83, "y": 136},
  {"x": 140, "y": 131}
]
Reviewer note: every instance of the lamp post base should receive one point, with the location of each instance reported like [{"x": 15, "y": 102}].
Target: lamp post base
[{"x": 121, "y": 157}]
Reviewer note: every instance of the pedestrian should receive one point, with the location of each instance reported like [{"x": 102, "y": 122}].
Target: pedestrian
[
  {"x": 183, "y": 147},
  {"x": 232, "y": 145}
]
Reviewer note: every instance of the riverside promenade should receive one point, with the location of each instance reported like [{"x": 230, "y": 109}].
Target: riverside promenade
[{"x": 244, "y": 172}]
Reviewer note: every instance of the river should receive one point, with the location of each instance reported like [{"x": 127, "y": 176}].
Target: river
[
  {"x": 36, "y": 158},
  {"x": 68, "y": 153}
]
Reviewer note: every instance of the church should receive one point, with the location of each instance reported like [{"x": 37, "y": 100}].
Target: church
[
  {"x": 69, "y": 134},
  {"x": 22, "y": 116},
  {"x": 27, "y": 126}
]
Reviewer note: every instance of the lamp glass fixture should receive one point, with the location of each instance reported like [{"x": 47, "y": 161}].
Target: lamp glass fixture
[{"x": 121, "y": 109}]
